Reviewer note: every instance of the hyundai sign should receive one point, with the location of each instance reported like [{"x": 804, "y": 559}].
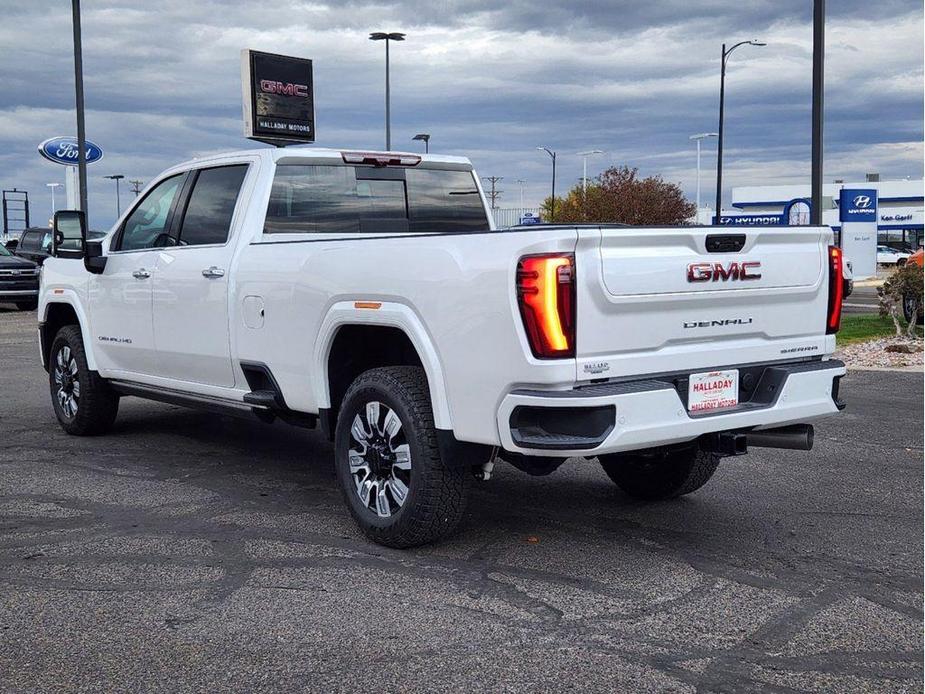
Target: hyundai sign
[
  {"x": 64, "y": 150},
  {"x": 279, "y": 103},
  {"x": 858, "y": 205}
]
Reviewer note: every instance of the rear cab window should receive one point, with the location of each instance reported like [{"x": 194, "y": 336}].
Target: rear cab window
[{"x": 344, "y": 199}]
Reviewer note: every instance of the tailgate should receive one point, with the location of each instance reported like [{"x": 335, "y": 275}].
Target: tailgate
[{"x": 656, "y": 300}]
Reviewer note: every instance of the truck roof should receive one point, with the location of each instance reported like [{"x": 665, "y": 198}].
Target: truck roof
[{"x": 311, "y": 152}]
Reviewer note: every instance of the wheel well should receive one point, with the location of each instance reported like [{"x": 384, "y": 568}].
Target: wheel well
[
  {"x": 358, "y": 348},
  {"x": 56, "y": 317}
]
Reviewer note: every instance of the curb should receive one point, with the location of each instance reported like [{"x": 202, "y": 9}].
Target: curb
[{"x": 899, "y": 369}]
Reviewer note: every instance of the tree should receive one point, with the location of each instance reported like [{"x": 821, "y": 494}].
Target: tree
[
  {"x": 619, "y": 195},
  {"x": 903, "y": 285}
]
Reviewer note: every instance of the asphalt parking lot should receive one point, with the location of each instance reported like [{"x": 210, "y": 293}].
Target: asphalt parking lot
[{"x": 190, "y": 552}]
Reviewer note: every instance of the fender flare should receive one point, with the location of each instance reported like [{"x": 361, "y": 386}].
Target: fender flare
[
  {"x": 69, "y": 297},
  {"x": 388, "y": 314}
]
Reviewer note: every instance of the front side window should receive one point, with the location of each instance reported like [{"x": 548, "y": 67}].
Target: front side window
[
  {"x": 146, "y": 226},
  {"x": 211, "y": 206}
]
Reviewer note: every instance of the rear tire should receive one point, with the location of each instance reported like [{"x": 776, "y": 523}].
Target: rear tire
[
  {"x": 84, "y": 403},
  {"x": 398, "y": 489},
  {"x": 660, "y": 473},
  {"x": 27, "y": 305}
]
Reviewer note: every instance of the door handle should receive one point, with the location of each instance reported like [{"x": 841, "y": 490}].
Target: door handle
[
  {"x": 213, "y": 272},
  {"x": 141, "y": 274}
]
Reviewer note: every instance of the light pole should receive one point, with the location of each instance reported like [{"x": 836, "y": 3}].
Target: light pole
[
  {"x": 79, "y": 99},
  {"x": 117, "y": 178},
  {"x": 383, "y": 36},
  {"x": 552, "y": 204},
  {"x": 584, "y": 175},
  {"x": 53, "y": 186},
  {"x": 426, "y": 138},
  {"x": 722, "y": 97},
  {"x": 521, "y": 181},
  {"x": 698, "y": 138}
]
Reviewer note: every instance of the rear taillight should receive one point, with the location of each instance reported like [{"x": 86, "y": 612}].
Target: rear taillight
[
  {"x": 836, "y": 290},
  {"x": 546, "y": 296}
]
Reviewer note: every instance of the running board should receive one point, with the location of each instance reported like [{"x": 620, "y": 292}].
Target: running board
[{"x": 177, "y": 397}]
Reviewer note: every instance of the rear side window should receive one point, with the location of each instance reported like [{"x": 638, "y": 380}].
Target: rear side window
[
  {"x": 207, "y": 219},
  {"x": 346, "y": 199}
]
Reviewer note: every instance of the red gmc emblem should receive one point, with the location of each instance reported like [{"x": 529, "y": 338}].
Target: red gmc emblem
[
  {"x": 287, "y": 89},
  {"x": 715, "y": 272}
]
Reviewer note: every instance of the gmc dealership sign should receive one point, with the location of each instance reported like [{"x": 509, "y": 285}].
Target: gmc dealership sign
[{"x": 279, "y": 104}]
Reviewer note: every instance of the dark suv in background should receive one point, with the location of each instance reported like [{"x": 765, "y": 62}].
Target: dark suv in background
[
  {"x": 19, "y": 281},
  {"x": 34, "y": 244}
]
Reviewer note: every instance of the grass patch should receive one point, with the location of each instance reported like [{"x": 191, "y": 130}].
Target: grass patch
[{"x": 861, "y": 327}]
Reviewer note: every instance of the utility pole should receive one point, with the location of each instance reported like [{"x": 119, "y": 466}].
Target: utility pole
[
  {"x": 494, "y": 194},
  {"x": 136, "y": 186}
]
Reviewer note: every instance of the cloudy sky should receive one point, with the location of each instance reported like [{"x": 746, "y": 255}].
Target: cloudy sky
[{"x": 490, "y": 79}]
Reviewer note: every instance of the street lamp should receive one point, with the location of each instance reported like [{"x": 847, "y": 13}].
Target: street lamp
[
  {"x": 722, "y": 96},
  {"x": 698, "y": 138},
  {"x": 117, "y": 178},
  {"x": 552, "y": 204},
  {"x": 521, "y": 181},
  {"x": 426, "y": 138},
  {"x": 53, "y": 186},
  {"x": 383, "y": 36},
  {"x": 584, "y": 158}
]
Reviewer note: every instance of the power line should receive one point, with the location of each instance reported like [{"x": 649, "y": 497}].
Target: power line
[{"x": 495, "y": 193}]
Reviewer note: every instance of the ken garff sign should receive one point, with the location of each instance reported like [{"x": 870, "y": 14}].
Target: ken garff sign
[
  {"x": 858, "y": 205},
  {"x": 64, "y": 150},
  {"x": 278, "y": 93}
]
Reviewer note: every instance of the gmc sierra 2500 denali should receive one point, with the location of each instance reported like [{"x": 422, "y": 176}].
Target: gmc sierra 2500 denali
[{"x": 369, "y": 293}]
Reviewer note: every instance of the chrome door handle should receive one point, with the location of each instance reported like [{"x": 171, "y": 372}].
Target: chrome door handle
[
  {"x": 213, "y": 272},
  {"x": 141, "y": 274}
]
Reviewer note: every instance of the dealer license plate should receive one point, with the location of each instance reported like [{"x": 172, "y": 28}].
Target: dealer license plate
[{"x": 714, "y": 390}]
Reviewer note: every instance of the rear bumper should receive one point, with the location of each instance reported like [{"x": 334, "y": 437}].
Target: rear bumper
[{"x": 624, "y": 416}]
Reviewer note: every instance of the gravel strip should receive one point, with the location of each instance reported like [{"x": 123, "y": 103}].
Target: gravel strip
[{"x": 874, "y": 353}]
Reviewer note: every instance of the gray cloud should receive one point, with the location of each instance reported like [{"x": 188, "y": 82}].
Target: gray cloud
[{"x": 488, "y": 79}]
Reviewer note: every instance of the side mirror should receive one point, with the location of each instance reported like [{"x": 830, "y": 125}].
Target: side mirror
[
  {"x": 69, "y": 240},
  {"x": 69, "y": 232}
]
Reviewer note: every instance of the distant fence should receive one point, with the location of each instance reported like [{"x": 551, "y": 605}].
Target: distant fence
[{"x": 508, "y": 217}]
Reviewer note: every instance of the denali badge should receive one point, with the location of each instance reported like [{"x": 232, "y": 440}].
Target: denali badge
[
  {"x": 707, "y": 272},
  {"x": 717, "y": 323},
  {"x": 596, "y": 367}
]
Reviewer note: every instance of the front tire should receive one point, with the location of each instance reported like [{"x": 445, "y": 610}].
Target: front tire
[
  {"x": 660, "y": 473},
  {"x": 397, "y": 487},
  {"x": 84, "y": 403}
]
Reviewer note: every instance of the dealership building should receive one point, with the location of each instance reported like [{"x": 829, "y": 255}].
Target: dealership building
[{"x": 899, "y": 206}]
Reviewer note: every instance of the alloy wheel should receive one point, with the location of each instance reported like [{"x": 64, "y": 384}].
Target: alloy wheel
[
  {"x": 380, "y": 459},
  {"x": 67, "y": 382}
]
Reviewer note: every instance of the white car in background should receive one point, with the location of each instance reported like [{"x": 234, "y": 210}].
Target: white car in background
[{"x": 890, "y": 256}]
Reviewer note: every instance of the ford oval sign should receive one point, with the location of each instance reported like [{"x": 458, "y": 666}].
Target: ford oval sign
[{"x": 63, "y": 150}]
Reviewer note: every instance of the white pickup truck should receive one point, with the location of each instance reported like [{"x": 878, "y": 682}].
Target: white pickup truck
[{"x": 370, "y": 294}]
